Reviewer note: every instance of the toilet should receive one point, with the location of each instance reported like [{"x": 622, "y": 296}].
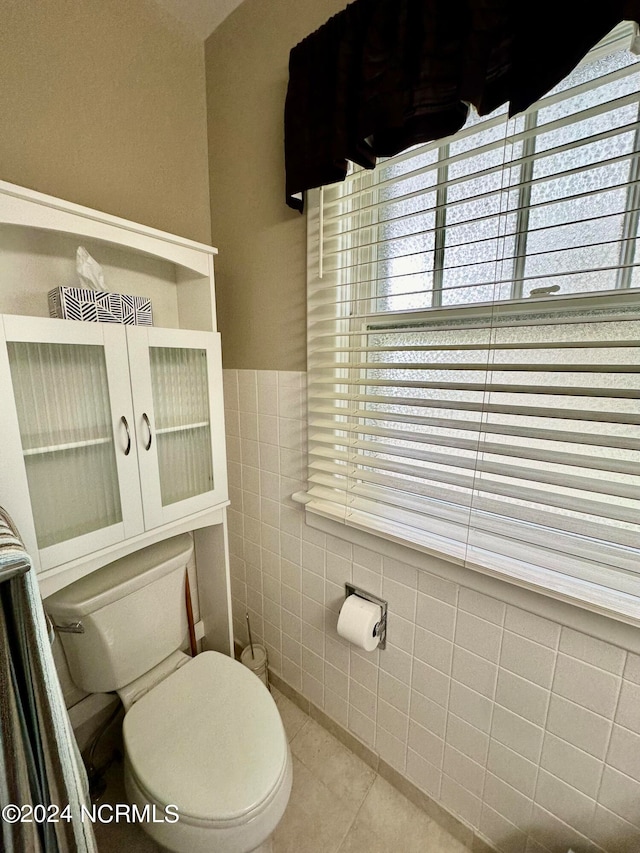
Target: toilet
[{"x": 202, "y": 735}]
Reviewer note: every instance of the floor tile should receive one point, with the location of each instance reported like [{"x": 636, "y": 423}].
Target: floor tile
[
  {"x": 315, "y": 821},
  {"x": 388, "y": 821},
  {"x": 293, "y": 718},
  {"x": 337, "y": 767}
]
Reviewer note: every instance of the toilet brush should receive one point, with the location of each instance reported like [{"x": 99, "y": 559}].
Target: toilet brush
[{"x": 250, "y": 640}]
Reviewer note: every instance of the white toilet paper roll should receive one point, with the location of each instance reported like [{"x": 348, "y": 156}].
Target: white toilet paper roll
[{"x": 357, "y": 621}]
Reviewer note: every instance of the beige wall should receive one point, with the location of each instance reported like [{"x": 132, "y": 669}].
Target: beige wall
[
  {"x": 104, "y": 105},
  {"x": 260, "y": 279}
]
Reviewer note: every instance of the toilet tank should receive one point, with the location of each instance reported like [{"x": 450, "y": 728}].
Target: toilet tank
[{"x": 127, "y": 616}]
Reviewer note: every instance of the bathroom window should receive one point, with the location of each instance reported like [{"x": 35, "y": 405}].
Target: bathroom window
[{"x": 473, "y": 341}]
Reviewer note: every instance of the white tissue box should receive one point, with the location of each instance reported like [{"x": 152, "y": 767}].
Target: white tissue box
[{"x": 98, "y": 306}]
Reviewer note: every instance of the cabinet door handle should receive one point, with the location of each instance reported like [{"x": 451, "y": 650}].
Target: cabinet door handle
[
  {"x": 146, "y": 420},
  {"x": 126, "y": 426}
]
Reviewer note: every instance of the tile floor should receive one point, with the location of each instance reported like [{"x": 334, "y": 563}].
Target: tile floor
[{"x": 338, "y": 804}]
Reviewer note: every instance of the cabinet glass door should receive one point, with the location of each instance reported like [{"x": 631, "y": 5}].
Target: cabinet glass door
[
  {"x": 67, "y": 439},
  {"x": 69, "y": 424},
  {"x": 180, "y": 387},
  {"x": 176, "y": 379}
]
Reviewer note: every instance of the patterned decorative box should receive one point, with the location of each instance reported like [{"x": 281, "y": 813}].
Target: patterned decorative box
[{"x": 98, "y": 306}]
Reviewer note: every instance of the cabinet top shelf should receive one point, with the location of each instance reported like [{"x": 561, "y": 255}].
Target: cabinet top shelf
[
  {"x": 70, "y": 445},
  {"x": 25, "y": 207}
]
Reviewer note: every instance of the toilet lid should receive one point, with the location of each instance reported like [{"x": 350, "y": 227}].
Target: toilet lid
[{"x": 208, "y": 739}]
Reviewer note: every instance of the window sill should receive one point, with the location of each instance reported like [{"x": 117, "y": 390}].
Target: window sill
[{"x": 608, "y": 614}]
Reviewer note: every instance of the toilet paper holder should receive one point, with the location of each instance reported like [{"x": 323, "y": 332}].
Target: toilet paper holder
[{"x": 381, "y": 628}]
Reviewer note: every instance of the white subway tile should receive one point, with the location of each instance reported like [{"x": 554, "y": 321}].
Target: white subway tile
[
  {"x": 268, "y": 429},
  {"x": 624, "y": 752},
  {"x": 528, "y": 659},
  {"x": 336, "y": 681},
  {"x": 397, "y": 663},
  {"x": 400, "y": 633},
  {"x": 267, "y": 400},
  {"x": 632, "y": 668},
  {"x": 391, "y": 749},
  {"x": 463, "y": 770},
  {"x": 518, "y": 734},
  {"x": 366, "y": 580},
  {"x": 628, "y": 713},
  {"x": 426, "y": 744},
  {"x": 512, "y": 768},
  {"x": 392, "y": 720},
  {"x": 430, "y": 682},
  {"x": 620, "y": 794},
  {"x": 470, "y": 706},
  {"x": 290, "y": 573},
  {"x": 433, "y": 649},
  {"x": 312, "y": 663},
  {"x": 401, "y": 599},
  {"x": 428, "y": 714},
  {"x": 578, "y": 726},
  {"x": 292, "y": 673},
  {"x": 291, "y": 625},
  {"x": 481, "y": 605},
  {"x": 555, "y": 835},
  {"x": 248, "y": 422},
  {"x": 362, "y": 699},
  {"x": 522, "y": 697},
  {"x": 460, "y": 801},
  {"x": 369, "y": 559},
  {"x": 363, "y": 727},
  {"x": 400, "y": 572},
  {"x": 311, "y": 688},
  {"x": 438, "y": 588},
  {"x": 266, "y": 378},
  {"x": 532, "y": 627},
  {"x": 474, "y": 672},
  {"x": 337, "y": 653},
  {"x": 333, "y": 597},
  {"x": 586, "y": 685},
  {"x": 564, "y": 801},
  {"x": 394, "y": 692},
  {"x": 613, "y": 833},
  {"x": 423, "y": 774},
  {"x": 478, "y": 636},
  {"x": 338, "y": 569},
  {"x": 507, "y": 801},
  {"x": 313, "y": 586},
  {"x": 572, "y": 765},
  {"x": 290, "y": 521},
  {"x": 467, "y": 739},
  {"x": 592, "y": 651},
  {"x": 364, "y": 672},
  {"x": 336, "y": 707},
  {"x": 291, "y": 548},
  {"x": 505, "y": 837},
  {"x": 312, "y": 613},
  {"x": 435, "y": 616}
]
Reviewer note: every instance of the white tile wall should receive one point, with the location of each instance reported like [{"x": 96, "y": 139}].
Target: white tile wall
[{"x": 527, "y": 730}]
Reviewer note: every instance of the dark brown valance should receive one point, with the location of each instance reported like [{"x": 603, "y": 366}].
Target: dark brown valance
[{"x": 384, "y": 75}]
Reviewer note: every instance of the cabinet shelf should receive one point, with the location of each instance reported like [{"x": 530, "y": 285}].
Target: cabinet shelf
[
  {"x": 71, "y": 445},
  {"x": 182, "y": 428}
]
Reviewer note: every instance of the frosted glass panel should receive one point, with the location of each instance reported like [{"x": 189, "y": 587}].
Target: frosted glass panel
[
  {"x": 65, "y": 421},
  {"x": 182, "y": 425}
]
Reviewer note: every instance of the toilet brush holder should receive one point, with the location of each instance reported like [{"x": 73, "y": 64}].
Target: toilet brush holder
[{"x": 258, "y": 663}]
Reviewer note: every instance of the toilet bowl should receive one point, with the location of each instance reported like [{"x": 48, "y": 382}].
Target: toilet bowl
[{"x": 207, "y": 762}]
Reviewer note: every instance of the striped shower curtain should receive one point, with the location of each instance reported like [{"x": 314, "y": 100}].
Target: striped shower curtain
[{"x": 42, "y": 780}]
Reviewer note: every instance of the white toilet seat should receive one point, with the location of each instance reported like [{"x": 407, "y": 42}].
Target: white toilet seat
[{"x": 209, "y": 740}]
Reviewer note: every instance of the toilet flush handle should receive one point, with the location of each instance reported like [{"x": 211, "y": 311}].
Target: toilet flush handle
[{"x": 70, "y": 628}]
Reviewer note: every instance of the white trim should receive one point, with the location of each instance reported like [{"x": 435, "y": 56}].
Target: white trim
[{"x": 595, "y": 619}]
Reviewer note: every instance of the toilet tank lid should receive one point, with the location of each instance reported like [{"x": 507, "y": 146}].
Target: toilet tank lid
[{"x": 120, "y": 578}]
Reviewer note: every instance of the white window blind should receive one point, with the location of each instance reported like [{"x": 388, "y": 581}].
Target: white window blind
[{"x": 473, "y": 341}]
